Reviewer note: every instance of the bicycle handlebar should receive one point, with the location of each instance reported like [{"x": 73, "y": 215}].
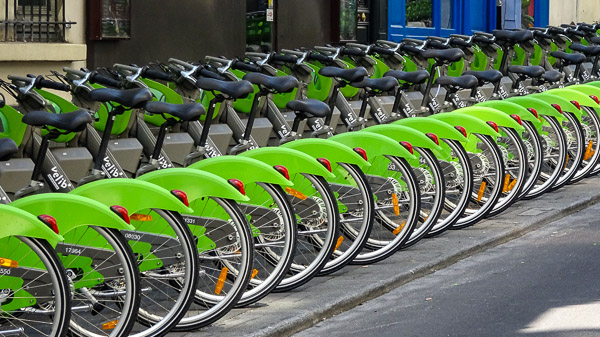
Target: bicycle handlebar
[
  {"x": 126, "y": 67},
  {"x": 186, "y": 65},
  {"x": 154, "y": 74},
  {"x": 319, "y": 57},
  {"x": 284, "y": 58},
  {"x": 243, "y": 66},
  {"x": 353, "y": 51},
  {"x": 41, "y": 82},
  {"x": 96, "y": 77},
  {"x": 382, "y": 50}
]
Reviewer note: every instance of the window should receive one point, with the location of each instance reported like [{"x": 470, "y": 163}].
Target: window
[{"x": 33, "y": 21}]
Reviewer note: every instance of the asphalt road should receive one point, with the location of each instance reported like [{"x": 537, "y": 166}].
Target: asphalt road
[{"x": 546, "y": 283}]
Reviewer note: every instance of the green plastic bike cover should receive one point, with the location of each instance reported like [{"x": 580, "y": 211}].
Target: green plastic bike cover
[
  {"x": 195, "y": 183},
  {"x": 246, "y": 169},
  {"x": 135, "y": 195},
  {"x": 470, "y": 123},
  {"x": 511, "y": 108},
  {"x": 72, "y": 211},
  {"x": 294, "y": 160},
  {"x": 425, "y": 125},
  {"x": 333, "y": 151},
  {"x": 17, "y": 222},
  {"x": 375, "y": 144},
  {"x": 489, "y": 114},
  {"x": 405, "y": 133}
]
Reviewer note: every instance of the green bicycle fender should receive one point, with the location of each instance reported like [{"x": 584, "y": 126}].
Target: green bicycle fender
[
  {"x": 320, "y": 86},
  {"x": 594, "y": 84},
  {"x": 375, "y": 144},
  {"x": 294, "y": 160},
  {"x": 247, "y": 170},
  {"x": 61, "y": 206},
  {"x": 333, "y": 151},
  {"x": 470, "y": 123},
  {"x": 400, "y": 133},
  {"x": 490, "y": 114},
  {"x": 587, "y": 89},
  {"x": 195, "y": 183},
  {"x": 17, "y": 222},
  {"x": 562, "y": 98},
  {"x": 543, "y": 108},
  {"x": 380, "y": 68},
  {"x": 424, "y": 124},
  {"x": 12, "y": 126},
  {"x": 134, "y": 195},
  {"x": 512, "y": 108}
]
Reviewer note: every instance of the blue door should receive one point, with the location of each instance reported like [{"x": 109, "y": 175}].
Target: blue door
[{"x": 421, "y": 18}]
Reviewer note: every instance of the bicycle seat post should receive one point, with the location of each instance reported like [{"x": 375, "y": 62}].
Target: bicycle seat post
[
  {"x": 208, "y": 120},
  {"x": 116, "y": 110}
]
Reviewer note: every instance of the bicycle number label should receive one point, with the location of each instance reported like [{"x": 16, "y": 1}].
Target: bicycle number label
[{"x": 4, "y": 271}]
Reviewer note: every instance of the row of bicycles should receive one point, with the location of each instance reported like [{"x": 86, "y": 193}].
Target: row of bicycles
[{"x": 159, "y": 197}]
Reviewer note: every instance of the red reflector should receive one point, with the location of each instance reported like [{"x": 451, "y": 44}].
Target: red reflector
[
  {"x": 121, "y": 212},
  {"x": 575, "y": 103},
  {"x": 408, "y": 146},
  {"x": 517, "y": 118},
  {"x": 493, "y": 125},
  {"x": 557, "y": 107},
  {"x": 361, "y": 152},
  {"x": 462, "y": 130},
  {"x": 595, "y": 98},
  {"x": 325, "y": 163},
  {"x": 433, "y": 137},
  {"x": 533, "y": 111},
  {"x": 49, "y": 221},
  {"x": 181, "y": 196},
  {"x": 238, "y": 184},
  {"x": 283, "y": 170}
]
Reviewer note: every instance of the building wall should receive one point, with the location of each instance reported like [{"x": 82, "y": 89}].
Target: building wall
[
  {"x": 21, "y": 58},
  {"x": 562, "y": 11},
  {"x": 185, "y": 29},
  {"x": 305, "y": 23}
]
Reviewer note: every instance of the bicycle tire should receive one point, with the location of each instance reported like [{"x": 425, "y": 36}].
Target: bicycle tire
[
  {"x": 43, "y": 271},
  {"x": 575, "y": 150}
]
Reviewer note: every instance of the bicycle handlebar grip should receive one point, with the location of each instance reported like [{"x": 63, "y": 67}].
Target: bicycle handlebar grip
[
  {"x": 437, "y": 44},
  {"x": 460, "y": 42},
  {"x": 320, "y": 57},
  {"x": 542, "y": 35},
  {"x": 587, "y": 28},
  {"x": 382, "y": 50},
  {"x": 575, "y": 32},
  {"x": 353, "y": 51},
  {"x": 411, "y": 49},
  {"x": 181, "y": 63},
  {"x": 154, "y": 74},
  {"x": 240, "y": 65},
  {"x": 285, "y": 58},
  {"x": 44, "y": 83},
  {"x": 207, "y": 73},
  {"x": 104, "y": 80}
]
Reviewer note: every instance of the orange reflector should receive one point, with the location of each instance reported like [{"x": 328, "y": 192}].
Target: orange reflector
[
  {"x": 588, "y": 150},
  {"x": 339, "y": 242},
  {"x": 481, "y": 190},
  {"x": 399, "y": 228},
  {"x": 4, "y": 262},
  {"x": 512, "y": 185},
  {"x": 140, "y": 217},
  {"x": 506, "y": 183},
  {"x": 110, "y": 325},
  {"x": 395, "y": 202},
  {"x": 221, "y": 280},
  {"x": 566, "y": 162},
  {"x": 254, "y": 273},
  {"x": 295, "y": 193}
]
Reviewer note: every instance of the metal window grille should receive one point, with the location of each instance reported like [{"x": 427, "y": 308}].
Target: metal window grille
[{"x": 33, "y": 21}]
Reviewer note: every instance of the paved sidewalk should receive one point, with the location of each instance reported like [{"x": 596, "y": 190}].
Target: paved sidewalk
[{"x": 291, "y": 312}]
